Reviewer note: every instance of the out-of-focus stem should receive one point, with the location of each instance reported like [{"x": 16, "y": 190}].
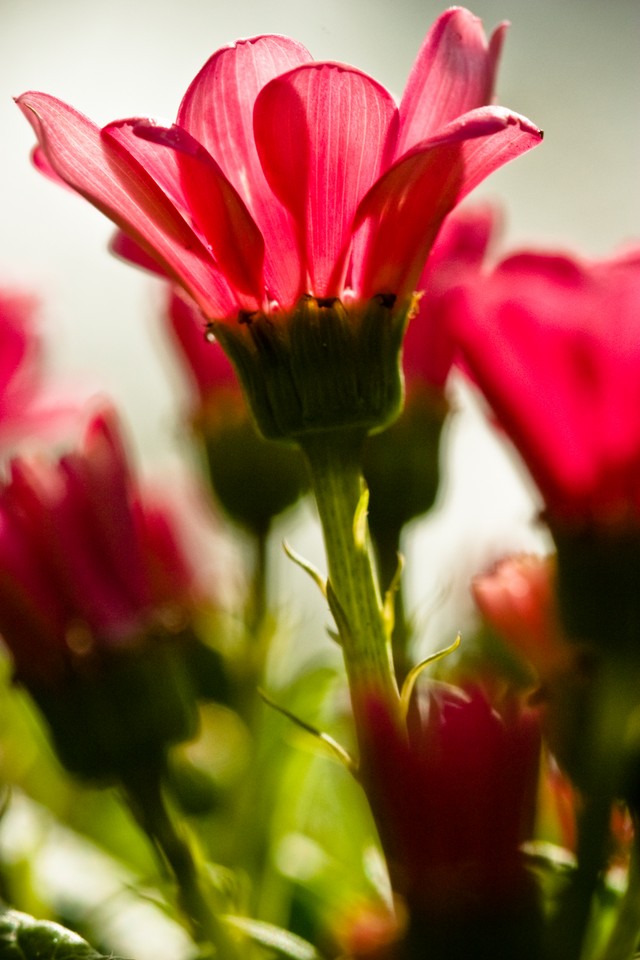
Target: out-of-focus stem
[{"x": 176, "y": 851}]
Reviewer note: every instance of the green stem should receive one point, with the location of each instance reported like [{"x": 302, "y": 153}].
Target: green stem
[
  {"x": 625, "y": 935},
  {"x": 569, "y": 926},
  {"x": 602, "y": 758},
  {"x": 334, "y": 462},
  {"x": 144, "y": 794},
  {"x": 257, "y": 601}
]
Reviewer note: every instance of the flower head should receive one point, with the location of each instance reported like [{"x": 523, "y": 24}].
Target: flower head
[
  {"x": 517, "y": 599},
  {"x": 285, "y": 176},
  {"x": 454, "y": 799},
  {"x": 553, "y": 343},
  {"x": 284, "y": 179},
  {"x": 86, "y": 561}
]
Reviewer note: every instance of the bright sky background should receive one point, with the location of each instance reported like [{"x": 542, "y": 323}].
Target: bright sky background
[{"x": 572, "y": 67}]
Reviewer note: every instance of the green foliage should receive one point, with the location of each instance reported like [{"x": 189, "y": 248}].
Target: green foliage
[
  {"x": 24, "y": 938},
  {"x": 275, "y": 939}
]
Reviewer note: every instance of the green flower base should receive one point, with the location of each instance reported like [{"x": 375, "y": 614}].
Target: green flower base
[{"x": 326, "y": 365}]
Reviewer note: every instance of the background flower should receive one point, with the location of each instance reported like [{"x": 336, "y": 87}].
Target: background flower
[
  {"x": 29, "y": 404},
  {"x": 553, "y": 343},
  {"x": 86, "y": 559}
]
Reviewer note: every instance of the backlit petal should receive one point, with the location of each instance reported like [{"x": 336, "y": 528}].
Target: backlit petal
[
  {"x": 453, "y": 73},
  {"x": 321, "y": 132},
  {"x": 121, "y": 188},
  {"x": 126, "y": 248},
  {"x": 555, "y": 359},
  {"x": 457, "y": 257},
  {"x": 409, "y": 202},
  {"x": 217, "y": 110},
  {"x": 216, "y": 207}
]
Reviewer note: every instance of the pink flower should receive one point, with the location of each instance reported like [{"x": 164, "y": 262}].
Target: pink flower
[
  {"x": 207, "y": 365},
  {"x": 553, "y": 342},
  {"x": 454, "y": 800},
  {"x": 86, "y": 560},
  {"x": 517, "y": 598},
  {"x": 284, "y": 176},
  {"x": 28, "y": 405},
  {"x": 458, "y": 256}
]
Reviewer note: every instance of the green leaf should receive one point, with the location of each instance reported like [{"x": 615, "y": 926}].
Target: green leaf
[
  {"x": 338, "y": 751},
  {"x": 24, "y": 938},
  {"x": 275, "y": 938}
]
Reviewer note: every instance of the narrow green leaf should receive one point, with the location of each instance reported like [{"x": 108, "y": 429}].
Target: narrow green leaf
[
  {"x": 414, "y": 673},
  {"x": 388, "y": 607},
  {"x": 275, "y": 938},
  {"x": 360, "y": 527},
  {"x": 337, "y": 749},
  {"x": 308, "y": 567}
]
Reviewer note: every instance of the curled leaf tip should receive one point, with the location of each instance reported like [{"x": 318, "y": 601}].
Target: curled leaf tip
[{"x": 414, "y": 673}]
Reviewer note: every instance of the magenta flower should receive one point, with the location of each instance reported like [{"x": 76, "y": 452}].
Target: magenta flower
[
  {"x": 86, "y": 561},
  {"x": 206, "y": 364},
  {"x": 553, "y": 342},
  {"x": 28, "y": 405},
  {"x": 284, "y": 176},
  {"x": 457, "y": 258},
  {"x": 517, "y": 600},
  {"x": 454, "y": 799}
]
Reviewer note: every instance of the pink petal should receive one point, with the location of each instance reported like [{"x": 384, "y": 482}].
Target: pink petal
[
  {"x": 409, "y": 202},
  {"x": 51, "y": 414},
  {"x": 20, "y": 349},
  {"x": 216, "y": 208},
  {"x": 321, "y": 132},
  {"x": 111, "y": 178},
  {"x": 562, "y": 382},
  {"x": 163, "y": 166},
  {"x": 32, "y": 617},
  {"x": 208, "y": 365},
  {"x": 91, "y": 583},
  {"x": 456, "y": 258},
  {"x": 217, "y": 110},
  {"x": 453, "y": 73},
  {"x": 170, "y": 577},
  {"x": 95, "y": 517},
  {"x": 126, "y": 248}
]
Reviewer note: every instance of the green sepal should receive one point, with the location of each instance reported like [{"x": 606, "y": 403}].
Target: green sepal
[
  {"x": 24, "y": 938},
  {"x": 325, "y": 365}
]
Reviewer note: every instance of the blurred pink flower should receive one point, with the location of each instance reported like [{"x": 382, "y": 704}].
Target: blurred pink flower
[
  {"x": 85, "y": 558},
  {"x": 458, "y": 256},
  {"x": 517, "y": 598},
  {"x": 455, "y": 799},
  {"x": 553, "y": 342},
  {"x": 207, "y": 365},
  {"x": 284, "y": 176},
  {"x": 29, "y": 406}
]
